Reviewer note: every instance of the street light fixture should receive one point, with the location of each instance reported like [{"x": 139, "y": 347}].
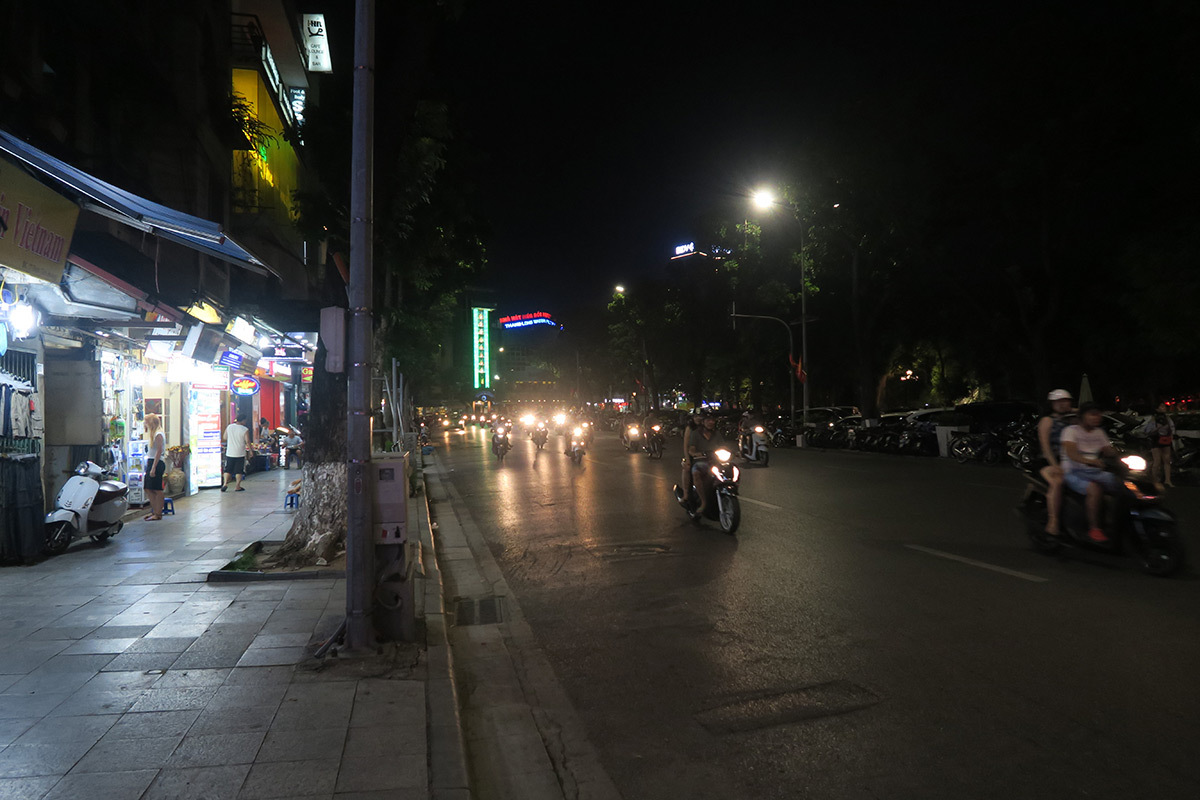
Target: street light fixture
[
  {"x": 619, "y": 289},
  {"x": 764, "y": 199}
]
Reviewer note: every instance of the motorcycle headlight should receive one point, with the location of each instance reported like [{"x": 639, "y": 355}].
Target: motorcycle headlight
[
  {"x": 716, "y": 471},
  {"x": 758, "y": 429},
  {"x": 527, "y": 419},
  {"x": 499, "y": 431},
  {"x": 656, "y": 428},
  {"x": 577, "y": 432},
  {"x": 1135, "y": 463},
  {"x": 560, "y": 419},
  {"x": 722, "y": 455},
  {"x": 445, "y": 423},
  {"x": 633, "y": 431}
]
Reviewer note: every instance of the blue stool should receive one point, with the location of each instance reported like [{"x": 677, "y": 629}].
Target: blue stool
[
  {"x": 168, "y": 506},
  {"x": 291, "y": 501}
]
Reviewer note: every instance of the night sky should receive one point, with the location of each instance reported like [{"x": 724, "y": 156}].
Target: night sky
[{"x": 606, "y": 136}]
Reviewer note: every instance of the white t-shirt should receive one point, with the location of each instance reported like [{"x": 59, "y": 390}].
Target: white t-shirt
[
  {"x": 235, "y": 438},
  {"x": 1090, "y": 443}
]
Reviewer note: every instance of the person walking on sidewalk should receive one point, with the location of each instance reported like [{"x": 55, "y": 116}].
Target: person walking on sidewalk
[
  {"x": 236, "y": 438},
  {"x": 156, "y": 466}
]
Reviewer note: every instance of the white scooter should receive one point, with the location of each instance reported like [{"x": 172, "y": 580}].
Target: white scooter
[
  {"x": 754, "y": 446},
  {"x": 88, "y": 505}
]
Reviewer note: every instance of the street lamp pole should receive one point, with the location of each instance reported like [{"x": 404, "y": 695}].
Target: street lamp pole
[
  {"x": 765, "y": 199},
  {"x": 791, "y": 352}
]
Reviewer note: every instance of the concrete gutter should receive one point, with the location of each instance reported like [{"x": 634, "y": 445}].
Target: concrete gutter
[{"x": 448, "y": 775}]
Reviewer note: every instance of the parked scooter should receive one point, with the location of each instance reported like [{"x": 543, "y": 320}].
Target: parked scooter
[
  {"x": 754, "y": 446},
  {"x": 1134, "y": 519},
  {"x": 722, "y": 488},
  {"x": 90, "y": 504}
]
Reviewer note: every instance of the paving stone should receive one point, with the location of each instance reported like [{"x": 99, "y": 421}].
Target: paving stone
[
  {"x": 32, "y": 760},
  {"x": 63, "y": 632},
  {"x": 174, "y": 630},
  {"x": 193, "y": 677},
  {"x": 291, "y": 779},
  {"x": 373, "y": 774},
  {"x": 269, "y": 640},
  {"x": 118, "y": 680},
  {"x": 15, "y": 706},
  {"x": 142, "y": 662},
  {"x": 30, "y": 655},
  {"x": 42, "y": 682},
  {"x": 235, "y": 696},
  {"x": 26, "y": 788},
  {"x": 273, "y": 656},
  {"x": 385, "y": 741},
  {"x": 206, "y": 750},
  {"x": 68, "y": 729},
  {"x": 174, "y": 698},
  {"x": 235, "y": 720},
  {"x": 198, "y": 783},
  {"x": 10, "y": 729},
  {"x": 86, "y": 702},
  {"x": 394, "y": 703},
  {"x": 87, "y": 646},
  {"x": 151, "y": 724},
  {"x": 250, "y": 675},
  {"x": 120, "y": 631},
  {"x": 124, "y": 755},
  {"x": 162, "y": 644},
  {"x": 301, "y": 745},
  {"x": 102, "y": 785}
]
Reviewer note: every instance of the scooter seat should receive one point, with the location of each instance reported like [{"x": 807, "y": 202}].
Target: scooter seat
[{"x": 110, "y": 490}]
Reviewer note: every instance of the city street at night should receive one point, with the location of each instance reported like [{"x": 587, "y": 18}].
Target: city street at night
[{"x": 878, "y": 627}]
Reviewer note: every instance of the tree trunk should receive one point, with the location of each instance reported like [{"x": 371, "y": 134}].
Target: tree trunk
[{"x": 319, "y": 528}]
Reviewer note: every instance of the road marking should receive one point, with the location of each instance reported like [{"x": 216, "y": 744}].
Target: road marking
[
  {"x": 745, "y": 499},
  {"x": 1022, "y": 575}
]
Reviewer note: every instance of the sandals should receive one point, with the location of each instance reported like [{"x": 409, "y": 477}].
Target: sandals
[{"x": 151, "y": 517}]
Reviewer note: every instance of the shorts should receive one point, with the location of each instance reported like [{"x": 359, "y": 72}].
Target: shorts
[
  {"x": 1077, "y": 479},
  {"x": 154, "y": 478},
  {"x": 235, "y": 466}
]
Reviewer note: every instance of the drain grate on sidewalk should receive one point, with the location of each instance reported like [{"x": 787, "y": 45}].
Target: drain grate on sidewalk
[
  {"x": 764, "y": 710},
  {"x": 479, "y": 611}
]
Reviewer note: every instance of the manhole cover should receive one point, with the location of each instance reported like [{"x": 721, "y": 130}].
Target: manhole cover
[
  {"x": 765, "y": 710},
  {"x": 479, "y": 611},
  {"x": 631, "y": 550}
]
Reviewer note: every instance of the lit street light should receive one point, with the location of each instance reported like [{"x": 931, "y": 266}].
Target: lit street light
[
  {"x": 619, "y": 289},
  {"x": 765, "y": 199}
]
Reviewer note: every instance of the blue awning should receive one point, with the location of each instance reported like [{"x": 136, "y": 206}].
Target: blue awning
[{"x": 108, "y": 200}]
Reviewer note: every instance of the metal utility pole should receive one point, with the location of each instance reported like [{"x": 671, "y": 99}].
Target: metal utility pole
[
  {"x": 359, "y": 547},
  {"x": 791, "y": 354},
  {"x": 803, "y": 330}
]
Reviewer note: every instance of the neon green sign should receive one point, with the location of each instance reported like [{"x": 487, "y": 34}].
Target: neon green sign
[{"x": 481, "y": 341}]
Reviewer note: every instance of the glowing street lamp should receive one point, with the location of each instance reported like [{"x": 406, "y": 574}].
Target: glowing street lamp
[
  {"x": 764, "y": 198},
  {"x": 619, "y": 289}
]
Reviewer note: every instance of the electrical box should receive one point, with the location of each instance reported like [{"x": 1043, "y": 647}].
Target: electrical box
[
  {"x": 333, "y": 336},
  {"x": 389, "y": 498}
]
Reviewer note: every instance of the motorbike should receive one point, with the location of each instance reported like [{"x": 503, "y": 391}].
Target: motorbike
[
  {"x": 89, "y": 504},
  {"x": 500, "y": 443},
  {"x": 1134, "y": 519},
  {"x": 631, "y": 437},
  {"x": 578, "y": 445},
  {"x": 540, "y": 435},
  {"x": 655, "y": 442},
  {"x": 723, "y": 505},
  {"x": 754, "y": 446},
  {"x": 588, "y": 432}
]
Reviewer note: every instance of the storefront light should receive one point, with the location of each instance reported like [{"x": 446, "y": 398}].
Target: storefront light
[
  {"x": 22, "y": 318},
  {"x": 204, "y": 312}
]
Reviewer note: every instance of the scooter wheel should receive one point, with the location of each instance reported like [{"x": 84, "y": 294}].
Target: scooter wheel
[
  {"x": 766, "y": 457},
  {"x": 58, "y": 538},
  {"x": 1163, "y": 556},
  {"x": 731, "y": 514}
]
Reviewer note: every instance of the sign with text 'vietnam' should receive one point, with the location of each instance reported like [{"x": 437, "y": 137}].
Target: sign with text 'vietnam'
[{"x": 36, "y": 225}]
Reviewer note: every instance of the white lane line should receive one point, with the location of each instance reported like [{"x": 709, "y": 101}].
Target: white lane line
[
  {"x": 745, "y": 499},
  {"x": 1022, "y": 575}
]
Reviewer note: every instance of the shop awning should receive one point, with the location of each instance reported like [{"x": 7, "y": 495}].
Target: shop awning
[{"x": 103, "y": 198}]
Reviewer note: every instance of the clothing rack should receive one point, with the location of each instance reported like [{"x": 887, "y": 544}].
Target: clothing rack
[{"x": 19, "y": 371}]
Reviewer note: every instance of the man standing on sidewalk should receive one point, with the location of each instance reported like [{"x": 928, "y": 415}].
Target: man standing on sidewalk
[{"x": 236, "y": 436}]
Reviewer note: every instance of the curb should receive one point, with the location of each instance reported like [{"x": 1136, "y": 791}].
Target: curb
[{"x": 448, "y": 775}]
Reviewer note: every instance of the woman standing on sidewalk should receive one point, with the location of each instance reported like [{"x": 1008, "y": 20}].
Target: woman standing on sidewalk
[{"x": 157, "y": 465}]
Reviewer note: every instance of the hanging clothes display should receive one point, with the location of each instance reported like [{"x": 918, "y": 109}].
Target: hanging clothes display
[{"x": 21, "y": 509}]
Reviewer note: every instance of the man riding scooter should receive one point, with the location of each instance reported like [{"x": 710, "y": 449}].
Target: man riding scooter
[{"x": 1084, "y": 445}]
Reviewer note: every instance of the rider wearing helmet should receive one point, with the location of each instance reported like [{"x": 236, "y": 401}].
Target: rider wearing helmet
[{"x": 1050, "y": 430}]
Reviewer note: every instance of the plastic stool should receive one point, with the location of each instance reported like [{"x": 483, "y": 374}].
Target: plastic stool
[
  {"x": 168, "y": 506},
  {"x": 291, "y": 501}
]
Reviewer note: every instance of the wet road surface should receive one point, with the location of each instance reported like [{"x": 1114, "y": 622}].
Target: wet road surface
[{"x": 879, "y": 627}]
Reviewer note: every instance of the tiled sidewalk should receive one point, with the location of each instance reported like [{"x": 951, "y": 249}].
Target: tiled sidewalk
[{"x": 124, "y": 676}]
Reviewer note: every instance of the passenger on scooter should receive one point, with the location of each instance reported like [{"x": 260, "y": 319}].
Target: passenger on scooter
[
  {"x": 746, "y": 426},
  {"x": 702, "y": 442},
  {"x": 1083, "y": 470},
  {"x": 685, "y": 480},
  {"x": 1050, "y": 430}
]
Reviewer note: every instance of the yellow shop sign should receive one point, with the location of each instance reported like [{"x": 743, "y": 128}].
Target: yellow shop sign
[{"x": 36, "y": 225}]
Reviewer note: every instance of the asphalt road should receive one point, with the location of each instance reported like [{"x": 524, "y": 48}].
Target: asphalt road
[{"x": 832, "y": 649}]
